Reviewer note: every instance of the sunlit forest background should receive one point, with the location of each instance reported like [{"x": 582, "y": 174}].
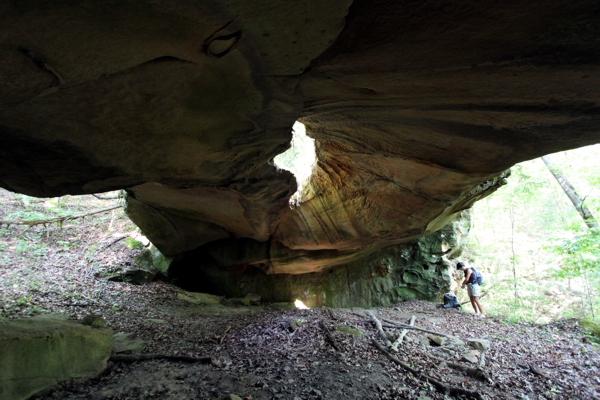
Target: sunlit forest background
[{"x": 539, "y": 258}]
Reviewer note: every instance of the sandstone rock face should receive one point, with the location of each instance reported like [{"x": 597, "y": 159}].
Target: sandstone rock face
[
  {"x": 415, "y": 270},
  {"x": 416, "y": 109},
  {"x": 39, "y": 352}
]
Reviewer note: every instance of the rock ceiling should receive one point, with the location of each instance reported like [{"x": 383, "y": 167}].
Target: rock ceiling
[{"x": 413, "y": 105}]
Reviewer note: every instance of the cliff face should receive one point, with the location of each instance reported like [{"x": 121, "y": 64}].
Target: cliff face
[
  {"x": 416, "y": 107},
  {"x": 418, "y": 269}
]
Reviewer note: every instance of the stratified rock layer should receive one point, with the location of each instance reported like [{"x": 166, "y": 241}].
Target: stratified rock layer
[
  {"x": 415, "y": 107},
  {"x": 416, "y": 270}
]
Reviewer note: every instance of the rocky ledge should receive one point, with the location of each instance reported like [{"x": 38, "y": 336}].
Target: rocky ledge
[{"x": 416, "y": 109}]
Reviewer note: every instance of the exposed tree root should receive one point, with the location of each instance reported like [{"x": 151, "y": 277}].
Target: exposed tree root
[
  {"x": 476, "y": 373},
  {"x": 398, "y": 341},
  {"x": 224, "y": 334},
  {"x": 443, "y": 388},
  {"x": 379, "y": 328},
  {"x": 399, "y": 325},
  {"x": 147, "y": 357}
]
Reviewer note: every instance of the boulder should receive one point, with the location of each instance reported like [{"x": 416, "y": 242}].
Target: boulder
[
  {"x": 39, "y": 352},
  {"x": 147, "y": 265},
  {"x": 436, "y": 340},
  {"x": 470, "y": 358},
  {"x": 455, "y": 341},
  {"x": 127, "y": 343},
  {"x": 479, "y": 344}
]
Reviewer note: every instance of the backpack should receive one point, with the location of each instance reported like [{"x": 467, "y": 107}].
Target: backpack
[
  {"x": 450, "y": 301},
  {"x": 477, "y": 277}
]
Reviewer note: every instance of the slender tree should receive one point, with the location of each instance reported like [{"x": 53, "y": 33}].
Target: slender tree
[
  {"x": 585, "y": 214},
  {"x": 571, "y": 193}
]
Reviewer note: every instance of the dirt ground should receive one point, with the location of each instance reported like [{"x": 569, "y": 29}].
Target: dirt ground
[{"x": 263, "y": 351}]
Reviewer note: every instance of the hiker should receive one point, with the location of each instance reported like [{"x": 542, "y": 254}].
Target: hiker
[{"x": 472, "y": 288}]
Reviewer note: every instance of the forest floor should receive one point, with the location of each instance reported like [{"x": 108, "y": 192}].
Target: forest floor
[{"x": 261, "y": 351}]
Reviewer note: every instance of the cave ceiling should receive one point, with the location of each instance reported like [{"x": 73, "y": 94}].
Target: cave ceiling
[{"x": 416, "y": 108}]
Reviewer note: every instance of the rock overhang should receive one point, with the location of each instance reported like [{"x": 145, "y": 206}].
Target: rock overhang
[{"x": 413, "y": 106}]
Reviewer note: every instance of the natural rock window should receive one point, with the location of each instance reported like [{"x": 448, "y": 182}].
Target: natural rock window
[{"x": 298, "y": 159}]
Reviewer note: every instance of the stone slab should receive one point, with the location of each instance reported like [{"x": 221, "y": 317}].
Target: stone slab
[
  {"x": 127, "y": 342},
  {"x": 38, "y": 352}
]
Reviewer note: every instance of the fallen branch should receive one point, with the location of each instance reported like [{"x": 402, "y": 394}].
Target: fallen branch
[
  {"x": 114, "y": 241},
  {"x": 328, "y": 335},
  {"x": 379, "y": 328},
  {"x": 147, "y": 357},
  {"x": 536, "y": 371},
  {"x": 476, "y": 373},
  {"x": 224, "y": 334},
  {"x": 448, "y": 390},
  {"x": 402, "y": 334},
  {"x": 398, "y": 325},
  {"x": 60, "y": 220}
]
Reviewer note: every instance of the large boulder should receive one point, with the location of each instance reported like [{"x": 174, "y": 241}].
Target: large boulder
[
  {"x": 39, "y": 352},
  {"x": 416, "y": 109}
]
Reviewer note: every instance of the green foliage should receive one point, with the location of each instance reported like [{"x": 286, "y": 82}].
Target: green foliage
[
  {"x": 133, "y": 244},
  {"x": 579, "y": 254},
  {"x": 91, "y": 251},
  {"x": 36, "y": 249},
  {"x": 299, "y": 158},
  {"x": 530, "y": 222},
  {"x": 592, "y": 328}
]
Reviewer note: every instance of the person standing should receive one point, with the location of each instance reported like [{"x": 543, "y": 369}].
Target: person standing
[{"x": 472, "y": 288}]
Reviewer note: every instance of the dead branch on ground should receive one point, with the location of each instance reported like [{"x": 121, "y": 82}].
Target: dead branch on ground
[
  {"x": 476, "y": 373},
  {"x": 224, "y": 334},
  {"x": 60, "y": 220},
  {"x": 536, "y": 371},
  {"x": 379, "y": 328},
  {"x": 402, "y": 334},
  {"x": 399, "y": 325},
  {"x": 449, "y": 390},
  {"x": 147, "y": 357}
]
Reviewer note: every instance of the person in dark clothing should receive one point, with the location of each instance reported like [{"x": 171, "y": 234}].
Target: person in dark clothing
[{"x": 472, "y": 288}]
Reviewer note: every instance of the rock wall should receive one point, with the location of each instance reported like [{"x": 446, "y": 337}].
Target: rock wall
[
  {"x": 416, "y": 270},
  {"x": 413, "y": 106}
]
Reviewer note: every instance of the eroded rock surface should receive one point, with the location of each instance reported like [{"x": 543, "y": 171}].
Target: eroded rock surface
[
  {"x": 39, "y": 352},
  {"x": 416, "y": 109},
  {"x": 415, "y": 270}
]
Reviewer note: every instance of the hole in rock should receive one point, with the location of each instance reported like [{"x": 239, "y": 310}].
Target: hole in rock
[{"x": 299, "y": 159}]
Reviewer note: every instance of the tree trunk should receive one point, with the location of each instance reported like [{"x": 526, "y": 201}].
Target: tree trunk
[
  {"x": 514, "y": 256},
  {"x": 571, "y": 193}
]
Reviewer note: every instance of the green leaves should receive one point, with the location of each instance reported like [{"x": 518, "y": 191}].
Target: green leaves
[{"x": 579, "y": 254}]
